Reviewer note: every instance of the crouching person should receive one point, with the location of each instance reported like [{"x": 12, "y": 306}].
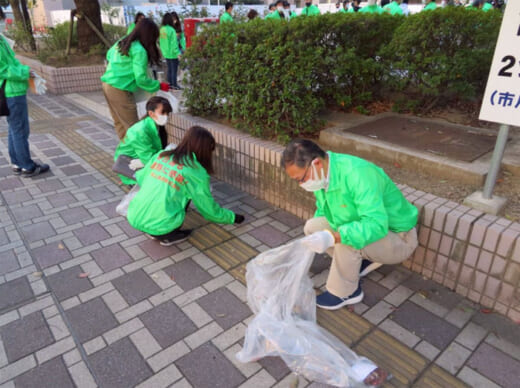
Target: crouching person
[
  {"x": 169, "y": 181},
  {"x": 362, "y": 219}
]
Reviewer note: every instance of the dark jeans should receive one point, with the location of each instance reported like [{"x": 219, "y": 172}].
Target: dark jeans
[
  {"x": 18, "y": 132},
  {"x": 173, "y": 65}
]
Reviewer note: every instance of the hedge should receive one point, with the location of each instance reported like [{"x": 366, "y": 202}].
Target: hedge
[{"x": 272, "y": 78}]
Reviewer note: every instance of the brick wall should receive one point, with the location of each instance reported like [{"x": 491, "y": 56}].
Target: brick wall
[
  {"x": 473, "y": 253},
  {"x": 65, "y": 80}
]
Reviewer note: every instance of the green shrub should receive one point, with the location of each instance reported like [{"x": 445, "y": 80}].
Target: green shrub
[
  {"x": 442, "y": 56},
  {"x": 21, "y": 37},
  {"x": 55, "y": 39},
  {"x": 113, "y": 33}
]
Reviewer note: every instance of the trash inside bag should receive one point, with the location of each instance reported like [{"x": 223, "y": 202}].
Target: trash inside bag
[
  {"x": 122, "y": 208},
  {"x": 281, "y": 295}
]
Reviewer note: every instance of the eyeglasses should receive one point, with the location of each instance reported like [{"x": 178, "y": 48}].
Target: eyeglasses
[{"x": 302, "y": 179}]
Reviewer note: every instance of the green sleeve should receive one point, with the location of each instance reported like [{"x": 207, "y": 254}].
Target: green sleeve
[
  {"x": 183, "y": 42},
  {"x": 206, "y": 205},
  {"x": 174, "y": 42},
  {"x": 140, "y": 65},
  {"x": 367, "y": 188},
  {"x": 144, "y": 147},
  {"x": 10, "y": 68}
]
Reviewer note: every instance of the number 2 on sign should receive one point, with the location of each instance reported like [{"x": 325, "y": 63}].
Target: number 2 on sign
[{"x": 510, "y": 62}]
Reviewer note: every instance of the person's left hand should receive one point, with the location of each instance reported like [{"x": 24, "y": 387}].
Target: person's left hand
[
  {"x": 135, "y": 164},
  {"x": 320, "y": 241}
]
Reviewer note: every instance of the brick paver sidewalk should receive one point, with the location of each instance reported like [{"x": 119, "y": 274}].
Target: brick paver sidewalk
[{"x": 85, "y": 300}]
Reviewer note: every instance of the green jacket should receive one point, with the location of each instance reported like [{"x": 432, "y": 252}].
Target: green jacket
[
  {"x": 362, "y": 203},
  {"x": 12, "y": 71},
  {"x": 487, "y": 7},
  {"x": 166, "y": 187},
  {"x": 226, "y": 18},
  {"x": 129, "y": 72},
  {"x": 371, "y": 9},
  {"x": 142, "y": 141},
  {"x": 183, "y": 41},
  {"x": 393, "y": 8},
  {"x": 275, "y": 15},
  {"x": 430, "y": 6},
  {"x": 168, "y": 42},
  {"x": 310, "y": 10},
  {"x": 131, "y": 27}
]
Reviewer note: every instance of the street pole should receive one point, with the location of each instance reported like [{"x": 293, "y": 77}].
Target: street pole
[{"x": 494, "y": 167}]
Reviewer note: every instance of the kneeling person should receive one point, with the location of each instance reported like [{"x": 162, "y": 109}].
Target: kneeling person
[
  {"x": 146, "y": 137},
  {"x": 362, "y": 219},
  {"x": 169, "y": 181}
]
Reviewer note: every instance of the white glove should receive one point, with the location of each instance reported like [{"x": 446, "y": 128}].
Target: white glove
[
  {"x": 170, "y": 147},
  {"x": 39, "y": 84},
  {"x": 135, "y": 164},
  {"x": 320, "y": 241}
]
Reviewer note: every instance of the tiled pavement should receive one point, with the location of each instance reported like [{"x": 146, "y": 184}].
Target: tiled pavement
[{"x": 85, "y": 300}]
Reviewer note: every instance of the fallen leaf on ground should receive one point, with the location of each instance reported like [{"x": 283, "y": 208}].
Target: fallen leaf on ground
[
  {"x": 486, "y": 311},
  {"x": 37, "y": 274},
  {"x": 397, "y": 165},
  {"x": 155, "y": 276},
  {"x": 83, "y": 275},
  {"x": 221, "y": 315},
  {"x": 60, "y": 246},
  {"x": 172, "y": 278},
  {"x": 424, "y": 294}
]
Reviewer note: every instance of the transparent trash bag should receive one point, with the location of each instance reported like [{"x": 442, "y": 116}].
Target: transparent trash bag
[
  {"x": 122, "y": 208},
  {"x": 281, "y": 295}
]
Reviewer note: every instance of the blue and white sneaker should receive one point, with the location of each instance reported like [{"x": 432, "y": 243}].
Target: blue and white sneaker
[
  {"x": 328, "y": 301},
  {"x": 368, "y": 266}
]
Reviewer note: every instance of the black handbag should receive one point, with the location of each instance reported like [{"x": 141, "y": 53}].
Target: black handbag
[{"x": 4, "y": 109}]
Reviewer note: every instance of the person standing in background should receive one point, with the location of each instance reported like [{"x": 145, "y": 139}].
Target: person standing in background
[
  {"x": 138, "y": 17},
  {"x": 127, "y": 71},
  {"x": 371, "y": 7},
  {"x": 310, "y": 9},
  {"x": 430, "y": 6},
  {"x": 226, "y": 16},
  {"x": 169, "y": 44},
  {"x": 404, "y": 7}
]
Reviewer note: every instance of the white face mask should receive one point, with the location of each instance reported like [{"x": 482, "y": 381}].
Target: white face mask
[
  {"x": 161, "y": 120},
  {"x": 318, "y": 183}
]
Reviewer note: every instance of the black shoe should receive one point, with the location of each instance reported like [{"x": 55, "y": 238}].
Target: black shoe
[
  {"x": 368, "y": 266},
  {"x": 177, "y": 87},
  {"x": 16, "y": 170},
  {"x": 37, "y": 170},
  {"x": 180, "y": 236}
]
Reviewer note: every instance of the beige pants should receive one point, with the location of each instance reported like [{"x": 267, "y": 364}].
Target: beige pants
[
  {"x": 343, "y": 278},
  {"x": 122, "y": 108}
]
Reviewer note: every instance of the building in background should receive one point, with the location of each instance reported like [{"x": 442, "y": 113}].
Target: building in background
[{"x": 41, "y": 11}]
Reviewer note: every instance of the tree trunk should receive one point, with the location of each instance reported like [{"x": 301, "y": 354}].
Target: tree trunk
[
  {"x": 21, "y": 15},
  {"x": 86, "y": 37}
]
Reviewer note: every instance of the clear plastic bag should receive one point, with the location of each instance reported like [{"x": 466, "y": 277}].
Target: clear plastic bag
[
  {"x": 281, "y": 294},
  {"x": 122, "y": 208}
]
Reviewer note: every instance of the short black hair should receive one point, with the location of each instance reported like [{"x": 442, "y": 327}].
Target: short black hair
[
  {"x": 138, "y": 15},
  {"x": 301, "y": 152},
  {"x": 278, "y": 2},
  {"x": 286, "y": 4},
  {"x": 154, "y": 102},
  {"x": 2, "y": 14},
  {"x": 228, "y": 5}
]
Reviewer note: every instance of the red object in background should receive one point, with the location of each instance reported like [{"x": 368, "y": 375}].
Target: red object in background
[
  {"x": 164, "y": 86},
  {"x": 191, "y": 26}
]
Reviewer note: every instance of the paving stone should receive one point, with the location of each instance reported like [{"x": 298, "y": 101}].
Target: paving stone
[
  {"x": 50, "y": 185},
  {"x": 453, "y": 357},
  {"x": 91, "y": 234},
  {"x": 145, "y": 343},
  {"x": 496, "y": 323},
  {"x": 85, "y": 181},
  {"x": 4, "y": 239},
  {"x": 207, "y": 367},
  {"x": 51, "y": 254},
  {"x": 436, "y": 292},
  {"x": 111, "y": 257},
  {"x": 62, "y": 199},
  {"x": 320, "y": 263},
  {"x": 427, "y": 350},
  {"x": 269, "y": 236},
  {"x": 224, "y": 307},
  {"x": 471, "y": 336},
  {"x": 18, "y": 196},
  {"x": 39, "y": 231},
  {"x": 373, "y": 292},
  {"x": 168, "y": 324},
  {"x": 82, "y": 376},
  {"x": 75, "y": 215},
  {"x": 287, "y": 219},
  {"x": 51, "y": 374},
  {"x": 495, "y": 365},
  {"x": 26, "y": 213},
  {"x": 124, "y": 330},
  {"x": 136, "y": 286},
  {"x": 129, "y": 231},
  {"x": 109, "y": 209},
  {"x": 10, "y": 183},
  {"x": 90, "y": 319},
  {"x": 98, "y": 194},
  {"x": 67, "y": 283},
  {"x": 53, "y": 152},
  {"x": 424, "y": 324},
  {"x": 14, "y": 292},
  {"x": 256, "y": 203},
  {"x": 25, "y": 336},
  {"x": 156, "y": 251},
  {"x": 187, "y": 274},
  {"x": 8, "y": 262},
  {"x": 62, "y": 160},
  {"x": 475, "y": 380},
  {"x": 115, "y": 371},
  {"x": 275, "y": 366},
  {"x": 399, "y": 332},
  {"x": 73, "y": 170}
]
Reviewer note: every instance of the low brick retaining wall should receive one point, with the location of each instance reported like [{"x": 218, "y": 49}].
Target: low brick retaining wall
[
  {"x": 473, "y": 253},
  {"x": 64, "y": 80}
]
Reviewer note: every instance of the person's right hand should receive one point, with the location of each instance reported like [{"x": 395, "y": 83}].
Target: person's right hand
[
  {"x": 135, "y": 164},
  {"x": 239, "y": 218}
]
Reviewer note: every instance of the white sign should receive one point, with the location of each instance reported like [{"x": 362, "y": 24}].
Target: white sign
[{"x": 501, "y": 102}]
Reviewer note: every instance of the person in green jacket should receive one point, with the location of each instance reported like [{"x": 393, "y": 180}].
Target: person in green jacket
[
  {"x": 362, "y": 219},
  {"x": 310, "y": 9},
  {"x": 169, "y": 181},
  {"x": 430, "y": 6},
  {"x": 169, "y": 44},
  {"x": 146, "y": 137},
  {"x": 14, "y": 78},
  {"x": 344, "y": 8},
  {"x": 372, "y": 7},
  {"x": 138, "y": 17},
  {"x": 226, "y": 16},
  {"x": 272, "y": 10},
  {"x": 127, "y": 71},
  {"x": 393, "y": 8}
]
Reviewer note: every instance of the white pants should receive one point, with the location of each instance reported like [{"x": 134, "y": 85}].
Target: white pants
[{"x": 343, "y": 278}]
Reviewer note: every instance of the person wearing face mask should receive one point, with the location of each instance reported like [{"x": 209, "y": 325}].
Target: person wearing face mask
[
  {"x": 287, "y": 10},
  {"x": 393, "y": 8},
  {"x": 362, "y": 219},
  {"x": 277, "y": 12},
  {"x": 371, "y": 7},
  {"x": 169, "y": 181},
  {"x": 146, "y": 137},
  {"x": 310, "y": 9}
]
